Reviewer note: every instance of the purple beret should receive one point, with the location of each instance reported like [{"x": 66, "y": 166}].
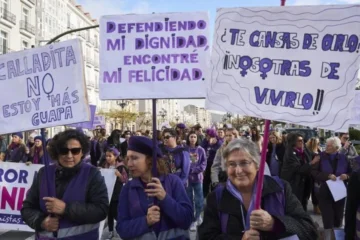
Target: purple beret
[
  {"x": 38, "y": 138},
  {"x": 144, "y": 145},
  {"x": 211, "y": 132},
  {"x": 114, "y": 151},
  {"x": 181, "y": 126},
  {"x": 19, "y": 134}
]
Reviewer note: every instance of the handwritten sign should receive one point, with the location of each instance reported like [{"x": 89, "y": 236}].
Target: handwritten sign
[
  {"x": 291, "y": 64},
  {"x": 154, "y": 56},
  {"x": 43, "y": 87},
  {"x": 88, "y": 124},
  {"x": 15, "y": 180},
  {"x": 99, "y": 121}
]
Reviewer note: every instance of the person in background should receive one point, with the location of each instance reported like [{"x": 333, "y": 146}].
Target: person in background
[
  {"x": 124, "y": 145},
  {"x": 152, "y": 207},
  {"x": 147, "y": 133},
  {"x": 113, "y": 141},
  {"x": 30, "y": 142},
  {"x": 199, "y": 132},
  {"x": 196, "y": 177},
  {"x": 95, "y": 150},
  {"x": 352, "y": 211},
  {"x": 256, "y": 137},
  {"x": 221, "y": 134},
  {"x": 177, "y": 158},
  {"x": 312, "y": 147},
  {"x": 2, "y": 148},
  {"x": 16, "y": 151},
  {"x": 229, "y": 212},
  {"x": 138, "y": 133},
  {"x": 275, "y": 153},
  {"x": 211, "y": 144},
  {"x": 180, "y": 131},
  {"x": 36, "y": 155},
  {"x": 296, "y": 167},
  {"x": 347, "y": 148},
  {"x": 332, "y": 165},
  {"x": 78, "y": 199},
  {"x": 114, "y": 161},
  {"x": 218, "y": 168},
  {"x": 284, "y": 137}
]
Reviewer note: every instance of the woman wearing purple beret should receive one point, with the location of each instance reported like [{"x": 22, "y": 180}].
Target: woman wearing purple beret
[{"x": 152, "y": 208}]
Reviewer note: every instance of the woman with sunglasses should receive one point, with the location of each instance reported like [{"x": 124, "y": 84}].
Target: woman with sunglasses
[
  {"x": 78, "y": 199},
  {"x": 152, "y": 207}
]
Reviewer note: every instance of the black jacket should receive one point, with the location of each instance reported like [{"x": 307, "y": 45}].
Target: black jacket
[
  {"x": 123, "y": 148},
  {"x": 280, "y": 151},
  {"x": 295, "y": 221},
  {"x": 352, "y": 204},
  {"x": 95, "y": 152},
  {"x": 297, "y": 173},
  {"x": 93, "y": 211}
]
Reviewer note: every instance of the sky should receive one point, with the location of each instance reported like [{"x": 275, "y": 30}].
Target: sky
[{"x": 98, "y": 8}]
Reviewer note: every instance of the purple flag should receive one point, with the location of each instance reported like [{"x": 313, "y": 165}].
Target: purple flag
[{"x": 89, "y": 124}]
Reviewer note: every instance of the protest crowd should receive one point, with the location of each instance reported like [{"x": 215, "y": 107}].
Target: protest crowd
[{"x": 193, "y": 165}]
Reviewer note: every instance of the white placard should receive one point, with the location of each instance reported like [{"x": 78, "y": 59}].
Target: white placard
[
  {"x": 294, "y": 64},
  {"x": 16, "y": 180},
  {"x": 164, "y": 55},
  {"x": 43, "y": 87},
  {"x": 337, "y": 189}
]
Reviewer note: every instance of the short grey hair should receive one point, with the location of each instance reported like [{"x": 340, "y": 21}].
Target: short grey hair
[
  {"x": 335, "y": 141},
  {"x": 243, "y": 145}
]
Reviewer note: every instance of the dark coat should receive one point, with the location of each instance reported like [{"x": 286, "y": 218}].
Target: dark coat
[
  {"x": 352, "y": 204},
  {"x": 123, "y": 148},
  {"x": 280, "y": 151},
  {"x": 297, "y": 173},
  {"x": 93, "y": 211},
  {"x": 295, "y": 221},
  {"x": 95, "y": 152},
  {"x": 16, "y": 155}
]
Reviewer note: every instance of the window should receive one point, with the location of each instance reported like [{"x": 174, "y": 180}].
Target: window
[
  {"x": 3, "y": 42},
  {"x": 4, "y": 4},
  {"x": 68, "y": 20},
  {"x": 25, "y": 44},
  {"x": 25, "y": 15}
]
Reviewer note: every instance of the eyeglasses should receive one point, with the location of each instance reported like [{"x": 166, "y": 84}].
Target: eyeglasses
[
  {"x": 243, "y": 164},
  {"x": 167, "y": 137},
  {"x": 65, "y": 151}
]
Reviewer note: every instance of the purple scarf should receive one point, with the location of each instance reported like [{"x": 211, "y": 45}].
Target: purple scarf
[
  {"x": 232, "y": 189},
  {"x": 36, "y": 158}
]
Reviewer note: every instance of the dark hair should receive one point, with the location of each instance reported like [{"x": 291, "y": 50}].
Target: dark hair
[
  {"x": 114, "y": 138},
  {"x": 292, "y": 138},
  {"x": 197, "y": 127},
  {"x": 171, "y": 131},
  {"x": 60, "y": 140},
  {"x": 221, "y": 129},
  {"x": 256, "y": 137},
  {"x": 188, "y": 138},
  {"x": 103, "y": 132},
  {"x": 342, "y": 134}
]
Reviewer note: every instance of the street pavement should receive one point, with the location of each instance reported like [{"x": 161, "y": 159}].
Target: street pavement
[{"x": 18, "y": 235}]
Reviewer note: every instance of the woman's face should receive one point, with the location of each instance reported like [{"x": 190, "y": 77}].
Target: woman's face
[
  {"x": 110, "y": 158},
  {"x": 254, "y": 131},
  {"x": 299, "y": 143},
  {"x": 193, "y": 139},
  {"x": 137, "y": 163},
  {"x": 241, "y": 169},
  {"x": 221, "y": 133},
  {"x": 272, "y": 139},
  {"x": 38, "y": 143},
  {"x": 127, "y": 136},
  {"x": 15, "y": 139},
  {"x": 229, "y": 136},
  {"x": 330, "y": 149},
  {"x": 31, "y": 139},
  {"x": 71, "y": 154}
]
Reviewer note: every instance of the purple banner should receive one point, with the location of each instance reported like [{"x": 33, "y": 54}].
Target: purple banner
[
  {"x": 89, "y": 124},
  {"x": 99, "y": 121}
]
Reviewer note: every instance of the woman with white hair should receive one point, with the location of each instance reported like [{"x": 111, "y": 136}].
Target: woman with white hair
[
  {"x": 332, "y": 166},
  {"x": 230, "y": 212}
]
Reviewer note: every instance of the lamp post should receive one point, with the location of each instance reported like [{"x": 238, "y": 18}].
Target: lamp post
[{"x": 122, "y": 104}]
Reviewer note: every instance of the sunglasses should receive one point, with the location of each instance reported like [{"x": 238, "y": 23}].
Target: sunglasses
[
  {"x": 65, "y": 151},
  {"x": 167, "y": 137}
]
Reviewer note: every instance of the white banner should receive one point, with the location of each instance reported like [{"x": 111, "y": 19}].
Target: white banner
[
  {"x": 43, "y": 87},
  {"x": 15, "y": 180},
  {"x": 163, "y": 55},
  {"x": 291, "y": 64}
]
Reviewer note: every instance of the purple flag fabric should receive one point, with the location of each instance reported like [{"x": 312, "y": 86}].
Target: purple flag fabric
[{"x": 89, "y": 124}]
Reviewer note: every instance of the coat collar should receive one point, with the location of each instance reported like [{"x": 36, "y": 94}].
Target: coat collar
[{"x": 231, "y": 205}]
